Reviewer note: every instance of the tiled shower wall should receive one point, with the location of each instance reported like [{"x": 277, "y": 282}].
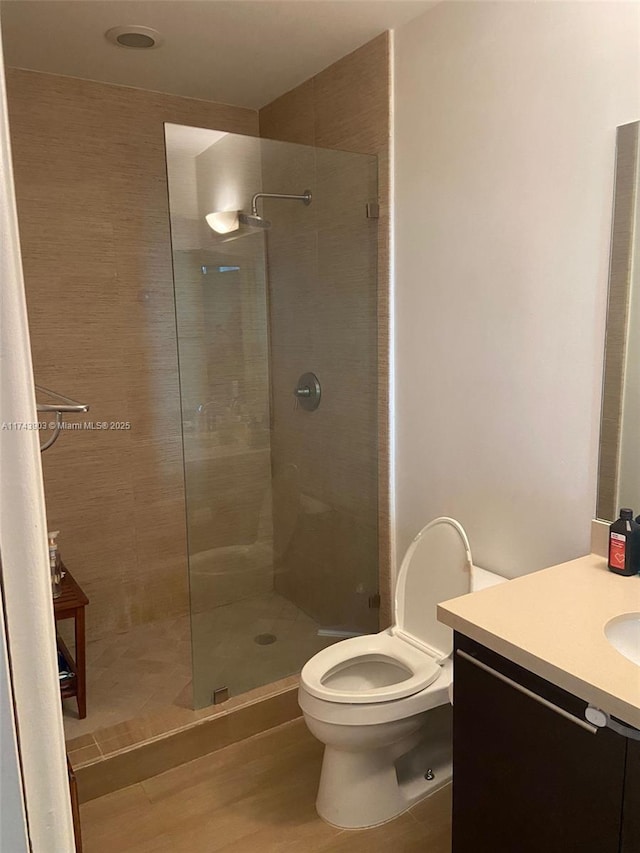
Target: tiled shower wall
[
  {"x": 92, "y": 205},
  {"x": 344, "y": 107},
  {"x": 323, "y": 319}
]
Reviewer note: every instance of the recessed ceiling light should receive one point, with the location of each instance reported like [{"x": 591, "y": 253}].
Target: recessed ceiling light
[{"x": 140, "y": 38}]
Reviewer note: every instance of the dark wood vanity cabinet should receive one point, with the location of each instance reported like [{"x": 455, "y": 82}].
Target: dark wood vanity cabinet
[
  {"x": 528, "y": 777},
  {"x": 631, "y": 809}
]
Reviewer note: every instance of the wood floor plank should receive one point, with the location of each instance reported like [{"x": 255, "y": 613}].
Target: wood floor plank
[
  {"x": 255, "y": 795},
  {"x": 402, "y": 835},
  {"x": 226, "y": 766},
  {"x": 116, "y": 806},
  {"x": 435, "y": 810}
]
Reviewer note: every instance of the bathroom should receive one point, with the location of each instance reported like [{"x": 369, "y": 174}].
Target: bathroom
[{"x": 478, "y": 290}]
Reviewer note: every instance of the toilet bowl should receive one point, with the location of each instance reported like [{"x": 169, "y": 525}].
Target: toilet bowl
[{"x": 380, "y": 703}]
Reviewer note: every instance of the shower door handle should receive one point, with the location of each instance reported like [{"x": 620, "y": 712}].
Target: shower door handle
[{"x": 308, "y": 392}]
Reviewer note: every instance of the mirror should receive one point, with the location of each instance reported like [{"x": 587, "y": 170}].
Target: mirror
[{"x": 619, "y": 461}]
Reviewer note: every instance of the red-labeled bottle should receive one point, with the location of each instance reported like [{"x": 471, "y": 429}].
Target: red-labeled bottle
[{"x": 621, "y": 550}]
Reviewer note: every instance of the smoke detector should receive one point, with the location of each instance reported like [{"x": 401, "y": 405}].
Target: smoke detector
[{"x": 138, "y": 38}]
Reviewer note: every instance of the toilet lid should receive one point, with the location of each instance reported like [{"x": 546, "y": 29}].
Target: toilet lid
[{"x": 436, "y": 567}]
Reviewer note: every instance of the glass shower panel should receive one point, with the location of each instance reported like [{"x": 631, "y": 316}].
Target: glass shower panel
[{"x": 281, "y": 497}]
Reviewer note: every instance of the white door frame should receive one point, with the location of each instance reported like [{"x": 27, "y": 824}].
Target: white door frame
[{"x": 26, "y": 584}]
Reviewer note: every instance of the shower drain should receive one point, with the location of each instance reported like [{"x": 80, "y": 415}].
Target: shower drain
[{"x": 264, "y": 639}]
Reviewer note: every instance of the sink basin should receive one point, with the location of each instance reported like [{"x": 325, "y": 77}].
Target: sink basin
[{"x": 623, "y": 633}]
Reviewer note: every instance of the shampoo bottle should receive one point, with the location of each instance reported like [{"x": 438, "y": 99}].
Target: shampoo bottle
[
  {"x": 54, "y": 564},
  {"x": 623, "y": 544}
]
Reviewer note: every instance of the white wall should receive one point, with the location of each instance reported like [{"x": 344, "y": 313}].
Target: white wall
[{"x": 505, "y": 118}]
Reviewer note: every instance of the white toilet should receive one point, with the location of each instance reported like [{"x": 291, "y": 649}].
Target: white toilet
[{"x": 380, "y": 703}]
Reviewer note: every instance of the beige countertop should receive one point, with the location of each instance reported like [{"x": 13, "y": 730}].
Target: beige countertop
[{"x": 552, "y": 623}]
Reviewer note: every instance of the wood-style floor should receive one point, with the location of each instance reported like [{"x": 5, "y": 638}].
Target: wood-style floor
[{"x": 256, "y": 795}]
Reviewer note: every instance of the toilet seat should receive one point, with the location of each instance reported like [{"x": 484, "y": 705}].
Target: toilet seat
[
  {"x": 405, "y": 659},
  {"x": 374, "y": 668},
  {"x": 377, "y": 713}
]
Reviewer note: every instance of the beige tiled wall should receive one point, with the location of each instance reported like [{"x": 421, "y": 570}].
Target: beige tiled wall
[
  {"x": 92, "y": 204},
  {"x": 344, "y": 107},
  {"x": 322, "y": 299}
]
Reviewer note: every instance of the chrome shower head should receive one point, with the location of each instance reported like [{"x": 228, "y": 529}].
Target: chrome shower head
[
  {"x": 227, "y": 222},
  {"x": 254, "y": 220}
]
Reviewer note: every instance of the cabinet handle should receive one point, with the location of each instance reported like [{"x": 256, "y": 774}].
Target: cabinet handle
[{"x": 572, "y": 719}]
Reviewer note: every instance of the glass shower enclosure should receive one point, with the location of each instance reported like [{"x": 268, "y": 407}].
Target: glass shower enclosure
[{"x": 276, "y": 313}]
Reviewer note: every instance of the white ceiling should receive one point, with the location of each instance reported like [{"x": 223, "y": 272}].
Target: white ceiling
[{"x": 243, "y": 52}]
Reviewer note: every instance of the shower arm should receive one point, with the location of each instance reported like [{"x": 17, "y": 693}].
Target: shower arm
[{"x": 305, "y": 198}]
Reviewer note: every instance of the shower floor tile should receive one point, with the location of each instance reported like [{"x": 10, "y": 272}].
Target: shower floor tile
[
  {"x": 134, "y": 674},
  {"x": 143, "y": 676},
  {"x": 226, "y": 653}
]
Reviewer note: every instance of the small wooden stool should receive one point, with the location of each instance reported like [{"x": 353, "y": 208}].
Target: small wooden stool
[{"x": 70, "y": 605}]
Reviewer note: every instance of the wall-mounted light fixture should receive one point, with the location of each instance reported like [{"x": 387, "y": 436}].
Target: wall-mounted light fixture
[{"x": 223, "y": 221}]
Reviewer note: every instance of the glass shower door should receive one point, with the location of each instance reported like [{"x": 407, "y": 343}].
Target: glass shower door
[{"x": 281, "y": 496}]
